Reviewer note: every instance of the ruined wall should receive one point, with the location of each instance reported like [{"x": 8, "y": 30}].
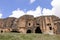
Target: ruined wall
[
  {"x": 57, "y": 26},
  {"x": 31, "y": 24},
  {"x": 46, "y": 24},
  {"x": 7, "y": 24},
  {"x": 25, "y": 23}
]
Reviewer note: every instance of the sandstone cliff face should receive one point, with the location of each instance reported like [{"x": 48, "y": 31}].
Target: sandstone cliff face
[
  {"x": 25, "y": 22},
  {"x": 7, "y": 24},
  {"x": 1, "y": 23},
  {"x": 31, "y": 24}
]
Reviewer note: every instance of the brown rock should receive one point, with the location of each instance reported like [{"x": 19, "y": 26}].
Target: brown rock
[{"x": 30, "y": 24}]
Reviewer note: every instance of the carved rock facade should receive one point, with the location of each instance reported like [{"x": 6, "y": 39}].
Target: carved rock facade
[{"x": 30, "y": 24}]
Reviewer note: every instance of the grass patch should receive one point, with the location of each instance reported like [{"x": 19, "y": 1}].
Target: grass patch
[{"x": 18, "y": 36}]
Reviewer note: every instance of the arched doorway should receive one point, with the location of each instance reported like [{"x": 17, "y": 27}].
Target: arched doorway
[
  {"x": 28, "y": 31},
  {"x": 1, "y": 31},
  {"x": 38, "y": 30}
]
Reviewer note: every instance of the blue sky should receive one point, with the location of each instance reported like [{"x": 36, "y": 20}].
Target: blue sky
[{"x": 8, "y": 6}]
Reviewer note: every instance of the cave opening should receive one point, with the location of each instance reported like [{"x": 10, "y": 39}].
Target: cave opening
[
  {"x": 28, "y": 31},
  {"x": 38, "y": 30}
]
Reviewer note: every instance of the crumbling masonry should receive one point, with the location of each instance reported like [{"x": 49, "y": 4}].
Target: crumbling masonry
[{"x": 30, "y": 24}]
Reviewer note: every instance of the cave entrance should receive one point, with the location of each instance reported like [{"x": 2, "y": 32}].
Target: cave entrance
[
  {"x": 28, "y": 31},
  {"x": 1, "y": 31},
  {"x": 38, "y": 30}
]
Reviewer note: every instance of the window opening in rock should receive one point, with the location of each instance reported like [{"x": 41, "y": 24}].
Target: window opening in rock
[
  {"x": 50, "y": 28},
  {"x": 29, "y": 24}
]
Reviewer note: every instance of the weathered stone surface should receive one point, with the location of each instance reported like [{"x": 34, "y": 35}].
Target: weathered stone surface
[{"x": 30, "y": 24}]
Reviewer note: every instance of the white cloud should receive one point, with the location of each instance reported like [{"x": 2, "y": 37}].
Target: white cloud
[
  {"x": 47, "y": 12},
  {"x": 31, "y": 1},
  {"x": 56, "y": 7},
  {"x": 0, "y": 15},
  {"x": 55, "y": 10},
  {"x": 17, "y": 13},
  {"x": 36, "y": 12}
]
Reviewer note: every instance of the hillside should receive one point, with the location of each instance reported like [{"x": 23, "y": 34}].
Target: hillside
[{"x": 18, "y": 36}]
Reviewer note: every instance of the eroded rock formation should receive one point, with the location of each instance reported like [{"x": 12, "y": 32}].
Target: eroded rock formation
[{"x": 30, "y": 24}]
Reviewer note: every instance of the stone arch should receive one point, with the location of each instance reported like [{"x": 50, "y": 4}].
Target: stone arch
[
  {"x": 38, "y": 30},
  {"x": 28, "y": 31},
  {"x": 1, "y": 31}
]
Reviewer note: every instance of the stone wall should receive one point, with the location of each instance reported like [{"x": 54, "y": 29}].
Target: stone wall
[{"x": 30, "y": 24}]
